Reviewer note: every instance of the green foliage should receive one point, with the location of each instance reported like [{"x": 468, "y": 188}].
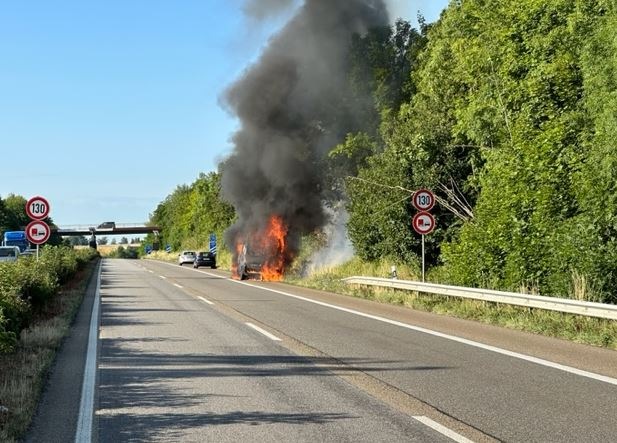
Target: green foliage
[
  {"x": 190, "y": 214},
  {"x": 507, "y": 111},
  {"x": 510, "y": 106},
  {"x": 27, "y": 284},
  {"x": 123, "y": 252},
  {"x": 527, "y": 222}
]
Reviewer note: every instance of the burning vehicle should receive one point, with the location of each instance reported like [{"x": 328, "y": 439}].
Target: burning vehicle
[
  {"x": 294, "y": 104},
  {"x": 262, "y": 253},
  {"x": 250, "y": 263}
]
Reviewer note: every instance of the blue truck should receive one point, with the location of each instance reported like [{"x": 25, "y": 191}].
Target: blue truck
[{"x": 16, "y": 238}]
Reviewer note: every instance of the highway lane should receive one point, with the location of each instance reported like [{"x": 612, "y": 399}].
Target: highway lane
[
  {"x": 173, "y": 367},
  {"x": 477, "y": 392}
]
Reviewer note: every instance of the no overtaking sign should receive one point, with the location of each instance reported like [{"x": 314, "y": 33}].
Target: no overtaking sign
[
  {"x": 38, "y": 232},
  {"x": 424, "y": 222}
]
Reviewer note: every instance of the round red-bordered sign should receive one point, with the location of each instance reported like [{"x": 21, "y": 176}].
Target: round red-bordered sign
[
  {"x": 38, "y": 232},
  {"x": 423, "y": 200},
  {"x": 37, "y": 208},
  {"x": 423, "y": 222}
]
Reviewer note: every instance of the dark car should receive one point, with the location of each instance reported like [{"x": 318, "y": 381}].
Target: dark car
[
  {"x": 205, "y": 259},
  {"x": 106, "y": 226}
]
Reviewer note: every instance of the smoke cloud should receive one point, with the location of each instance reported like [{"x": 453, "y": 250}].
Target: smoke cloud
[
  {"x": 338, "y": 248},
  {"x": 293, "y": 107},
  {"x": 261, "y": 9}
]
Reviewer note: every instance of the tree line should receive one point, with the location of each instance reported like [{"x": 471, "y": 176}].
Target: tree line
[
  {"x": 13, "y": 217},
  {"x": 506, "y": 110}
]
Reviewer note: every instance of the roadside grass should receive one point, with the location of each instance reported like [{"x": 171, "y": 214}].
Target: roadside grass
[
  {"x": 577, "y": 328},
  {"x": 23, "y": 372}
]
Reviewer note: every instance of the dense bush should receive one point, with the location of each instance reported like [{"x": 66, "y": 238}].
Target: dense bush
[
  {"x": 123, "y": 252},
  {"x": 27, "y": 284}
]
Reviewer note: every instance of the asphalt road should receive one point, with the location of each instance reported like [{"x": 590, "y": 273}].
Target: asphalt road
[{"x": 188, "y": 355}]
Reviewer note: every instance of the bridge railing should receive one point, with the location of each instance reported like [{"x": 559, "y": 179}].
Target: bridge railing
[{"x": 85, "y": 227}]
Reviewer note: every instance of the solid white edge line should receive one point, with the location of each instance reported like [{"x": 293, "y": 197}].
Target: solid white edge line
[
  {"x": 262, "y": 331},
  {"x": 83, "y": 433},
  {"x": 178, "y": 286},
  {"x": 441, "y": 429},
  {"x": 536, "y": 360},
  {"x": 205, "y": 300}
]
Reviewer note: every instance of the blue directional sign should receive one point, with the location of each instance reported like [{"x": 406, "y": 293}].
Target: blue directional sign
[
  {"x": 168, "y": 249},
  {"x": 148, "y": 249},
  {"x": 213, "y": 243}
]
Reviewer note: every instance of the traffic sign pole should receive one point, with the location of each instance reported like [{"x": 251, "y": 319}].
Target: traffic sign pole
[
  {"x": 422, "y": 258},
  {"x": 423, "y": 222}
]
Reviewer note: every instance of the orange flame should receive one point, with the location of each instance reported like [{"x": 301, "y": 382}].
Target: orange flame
[
  {"x": 270, "y": 245},
  {"x": 234, "y": 263},
  {"x": 275, "y": 235}
]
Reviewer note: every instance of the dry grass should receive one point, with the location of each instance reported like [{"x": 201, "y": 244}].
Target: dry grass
[
  {"x": 588, "y": 330},
  {"x": 23, "y": 372}
]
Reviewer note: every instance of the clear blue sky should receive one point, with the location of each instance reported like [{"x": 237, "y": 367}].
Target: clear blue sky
[{"x": 107, "y": 106}]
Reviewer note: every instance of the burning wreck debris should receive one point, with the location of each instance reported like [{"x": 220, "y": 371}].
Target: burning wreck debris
[
  {"x": 262, "y": 254},
  {"x": 294, "y": 105}
]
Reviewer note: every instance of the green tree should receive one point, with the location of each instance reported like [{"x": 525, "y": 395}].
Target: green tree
[
  {"x": 523, "y": 106},
  {"x": 189, "y": 214}
]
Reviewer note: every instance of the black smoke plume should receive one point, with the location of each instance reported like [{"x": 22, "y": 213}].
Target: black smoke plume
[
  {"x": 260, "y": 9},
  {"x": 294, "y": 105}
]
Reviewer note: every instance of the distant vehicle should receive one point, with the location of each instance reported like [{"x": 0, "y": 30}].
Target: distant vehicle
[
  {"x": 186, "y": 257},
  {"x": 205, "y": 259},
  {"x": 16, "y": 238},
  {"x": 9, "y": 253},
  {"x": 106, "y": 226}
]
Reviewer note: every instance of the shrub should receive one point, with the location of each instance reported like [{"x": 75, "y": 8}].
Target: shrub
[{"x": 27, "y": 284}]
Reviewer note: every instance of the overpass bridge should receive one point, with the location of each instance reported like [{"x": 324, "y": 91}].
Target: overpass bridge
[{"x": 106, "y": 229}]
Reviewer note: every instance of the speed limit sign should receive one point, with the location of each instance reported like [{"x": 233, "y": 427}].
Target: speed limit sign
[
  {"x": 37, "y": 208},
  {"x": 423, "y": 200}
]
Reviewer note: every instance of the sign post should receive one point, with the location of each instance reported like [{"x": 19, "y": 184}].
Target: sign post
[
  {"x": 423, "y": 222},
  {"x": 422, "y": 258},
  {"x": 213, "y": 243},
  {"x": 37, "y": 231}
]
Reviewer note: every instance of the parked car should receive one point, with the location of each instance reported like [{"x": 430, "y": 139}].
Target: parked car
[
  {"x": 186, "y": 257},
  {"x": 28, "y": 253},
  {"x": 205, "y": 259},
  {"x": 9, "y": 253}
]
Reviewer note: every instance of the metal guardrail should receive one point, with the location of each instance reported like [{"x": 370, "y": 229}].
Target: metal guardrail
[{"x": 589, "y": 309}]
